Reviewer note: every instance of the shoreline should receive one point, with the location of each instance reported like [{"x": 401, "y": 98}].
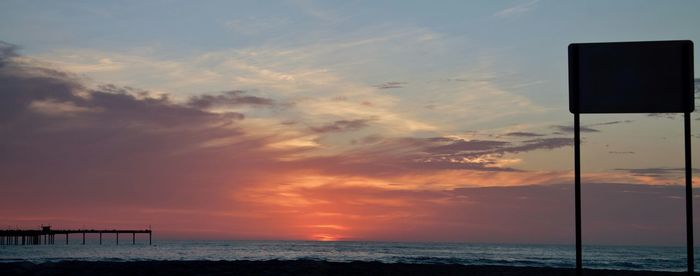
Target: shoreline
[{"x": 287, "y": 267}]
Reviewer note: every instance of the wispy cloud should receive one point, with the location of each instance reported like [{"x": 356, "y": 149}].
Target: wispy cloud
[
  {"x": 611, "y": 123},
  {"x": 311, "y": 75},
  {"x": 460, "y": 145},
  {"x": 390, "y": 85},
  {"x": 560, "y": 129},
  {"x": 523, "y": 134},
  {"x": 341, "y": 126},
  {"x": 570, "y": 129},
  {"x": 657, "y": 172},
  {"x": 517, "y": 9}
]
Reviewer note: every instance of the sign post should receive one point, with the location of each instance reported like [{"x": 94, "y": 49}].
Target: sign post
[{"x": 632, "y": 77}]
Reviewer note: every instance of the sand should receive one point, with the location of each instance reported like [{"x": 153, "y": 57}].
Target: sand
[{"x": 273, "y": 267}]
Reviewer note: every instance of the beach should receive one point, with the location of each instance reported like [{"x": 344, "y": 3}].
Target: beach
[{"x": 290, "y": 267}]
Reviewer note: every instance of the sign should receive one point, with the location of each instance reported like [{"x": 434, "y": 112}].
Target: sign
[{"x": 631, "y": 77}]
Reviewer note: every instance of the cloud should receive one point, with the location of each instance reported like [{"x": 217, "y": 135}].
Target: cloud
[
  {"x": 229, "y": 98},
  {"x": 664, "y": 115},
  {"x": 486, "y": 155},
  {"x": 658, "y": 172},
  {"x": 587, "y": 128},
  {"x": 516, "y": 10},
  {"x": 114, "y": 146},
  {"x": 570, "y": 129},
  {"x": 341, "y": 126},
  {"x": 410, "y": 155},
  {"x": 52, "y": 107},
  {"x": 537, "y": 144},
  {"x": 621, "y": 152},
  {"x": 390, "y": 85},
  {"x": 447, "y": 145},
  {"x": 310, "y": 74},
  {"x": 611, "y": 123},
  {"x": 24, "y": 84},
  {"x": 460, "y": 145},
  {"x": 523, "y": 134},
  {"x": 7, "y": 51}
]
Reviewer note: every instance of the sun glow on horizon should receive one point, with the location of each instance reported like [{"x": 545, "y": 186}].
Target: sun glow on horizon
[{"x": 326, "y": 237}]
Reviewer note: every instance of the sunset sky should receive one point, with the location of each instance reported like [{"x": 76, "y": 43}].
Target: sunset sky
[{"x": 331, "y": 120}]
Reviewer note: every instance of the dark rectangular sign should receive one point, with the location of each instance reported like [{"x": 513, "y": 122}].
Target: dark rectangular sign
[{"x": 631, "y": 77}]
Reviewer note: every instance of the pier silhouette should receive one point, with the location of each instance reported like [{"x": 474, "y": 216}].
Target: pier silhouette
[{"x": 35, "y": 236}]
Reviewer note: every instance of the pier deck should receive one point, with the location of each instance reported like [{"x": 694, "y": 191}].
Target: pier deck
[{"x": 35, "y": 236}]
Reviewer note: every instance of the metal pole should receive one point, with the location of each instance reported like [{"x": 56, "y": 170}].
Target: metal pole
[
  {"x": 577, "y": 192},
  {"x": 688, "y": 195}
]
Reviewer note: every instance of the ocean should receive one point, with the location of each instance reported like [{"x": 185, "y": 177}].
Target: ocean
[{"x": 599, "y": 257}]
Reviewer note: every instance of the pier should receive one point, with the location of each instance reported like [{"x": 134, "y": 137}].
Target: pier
[{"x": 46, "y": 235}]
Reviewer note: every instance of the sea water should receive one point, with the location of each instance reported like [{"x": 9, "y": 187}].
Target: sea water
[{"x": 600, "y": 257}]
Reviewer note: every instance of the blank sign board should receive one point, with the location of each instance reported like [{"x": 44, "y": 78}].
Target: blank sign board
[{"x": 631, "y": 77}]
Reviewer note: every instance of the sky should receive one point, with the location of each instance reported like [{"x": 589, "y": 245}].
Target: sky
[{"x": 331, "y": 120}]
